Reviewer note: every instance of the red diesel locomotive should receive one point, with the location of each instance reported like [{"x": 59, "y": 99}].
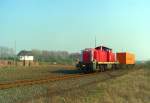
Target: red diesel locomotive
[{"x": 101, "y": 58}]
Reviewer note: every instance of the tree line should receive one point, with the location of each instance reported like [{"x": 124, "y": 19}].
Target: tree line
[
  {"x": 6, "y": 53},
  {"x": 60, "y": 57}
]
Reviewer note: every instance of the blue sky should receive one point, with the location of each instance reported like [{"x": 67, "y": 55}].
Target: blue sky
[{"x": 72, "y": 25}]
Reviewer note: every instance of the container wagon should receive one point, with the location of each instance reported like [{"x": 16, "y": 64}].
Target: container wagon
[{"x": 102, "y": 58}]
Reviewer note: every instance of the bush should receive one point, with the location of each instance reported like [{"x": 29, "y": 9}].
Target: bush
[{"x": 147, "y": 64}]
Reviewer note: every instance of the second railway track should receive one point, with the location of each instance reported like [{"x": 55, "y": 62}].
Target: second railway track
[{"x": 19, "y": 83}]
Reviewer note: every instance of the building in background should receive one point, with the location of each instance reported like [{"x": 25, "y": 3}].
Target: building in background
[{"x": 26, "y": 57}]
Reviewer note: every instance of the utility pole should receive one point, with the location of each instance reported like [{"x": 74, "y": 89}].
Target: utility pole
[
  {"x": 15, "y": 54},
  {"x": 1, "y": 53},
  {"x": 95, "y": 41}
]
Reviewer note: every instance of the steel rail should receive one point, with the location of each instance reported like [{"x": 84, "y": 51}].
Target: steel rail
[{"x": 19, "y": 83}]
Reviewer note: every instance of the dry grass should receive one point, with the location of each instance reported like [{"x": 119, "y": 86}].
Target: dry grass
[
  {"x": 131, "y": 88},
  {"x": 19, "y": 73}
]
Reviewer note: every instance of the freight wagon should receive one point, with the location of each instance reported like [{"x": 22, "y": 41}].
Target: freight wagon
[{"x": 102, "y": 58}]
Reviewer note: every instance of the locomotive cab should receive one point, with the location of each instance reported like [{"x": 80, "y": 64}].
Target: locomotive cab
[{"x": 92, "y": 58}]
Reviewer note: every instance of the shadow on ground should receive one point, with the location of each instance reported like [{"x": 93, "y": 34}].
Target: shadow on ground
[{"x": 65, "y": 71}]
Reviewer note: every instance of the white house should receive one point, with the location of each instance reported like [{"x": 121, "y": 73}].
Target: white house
[{"x": 25, "y": 55}]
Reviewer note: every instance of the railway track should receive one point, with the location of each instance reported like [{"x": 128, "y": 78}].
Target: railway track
[
  {"x": 19, "y": 83},
  {"x": 108, "y": 76}
]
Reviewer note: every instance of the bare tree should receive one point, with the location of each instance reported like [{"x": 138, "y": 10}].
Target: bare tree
[
  {"x": 6, "y": 52},
  {"x": 55, "y": 56}
]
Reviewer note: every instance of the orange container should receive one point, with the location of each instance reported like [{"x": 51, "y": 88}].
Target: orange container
[{"x": 125, "y": 58}]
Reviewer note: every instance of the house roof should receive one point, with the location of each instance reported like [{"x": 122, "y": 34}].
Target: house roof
[{"x": 25, "y": 53}]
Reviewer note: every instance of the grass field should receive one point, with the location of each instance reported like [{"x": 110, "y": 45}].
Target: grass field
[
  {"x": 19, "y": 73},
  {"x": 132, "y": 87}
]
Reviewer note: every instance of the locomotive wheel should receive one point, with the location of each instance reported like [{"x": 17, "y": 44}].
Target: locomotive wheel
[
  {"x": 102, "y": 68},
  {"x": 93, "y": 66},
  {"x": 114, "y": 67},
  {"x": 88, "y": 68}
]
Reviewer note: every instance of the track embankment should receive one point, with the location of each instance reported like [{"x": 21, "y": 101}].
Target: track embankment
[{"x": 18, "y": 83}]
